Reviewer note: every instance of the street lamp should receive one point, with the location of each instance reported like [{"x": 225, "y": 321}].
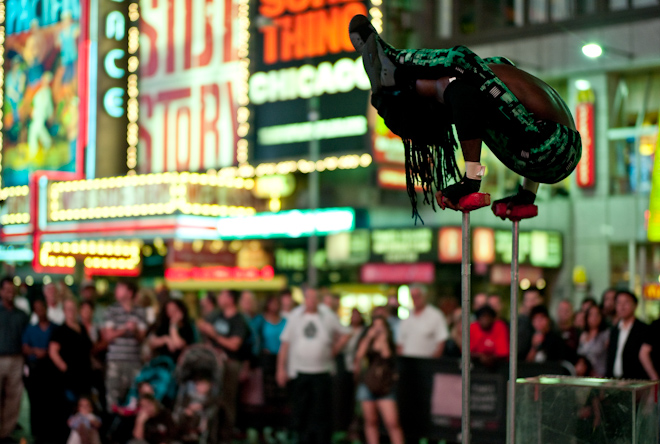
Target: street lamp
[{"x": 592, "y": 50}]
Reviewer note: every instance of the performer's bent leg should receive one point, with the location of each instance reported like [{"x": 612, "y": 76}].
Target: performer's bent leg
[{"x": 466, "y": 106}]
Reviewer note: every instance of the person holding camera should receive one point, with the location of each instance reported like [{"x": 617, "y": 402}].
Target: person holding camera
[{"x": 377, "y": 387}]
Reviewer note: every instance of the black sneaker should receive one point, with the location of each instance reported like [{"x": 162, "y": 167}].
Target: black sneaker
[
  {"x": 377, "y": 64},
  {"x": 453, "y": 193},
  {"x": 522, "y": 197}
]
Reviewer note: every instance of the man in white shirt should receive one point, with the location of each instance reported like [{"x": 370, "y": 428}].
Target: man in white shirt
[
  {"x": 424, "y": 333},
  {"x": 53, "y": 304},
  {"x": 626, "y": 340},
  {"x": 310, "y": 340}
]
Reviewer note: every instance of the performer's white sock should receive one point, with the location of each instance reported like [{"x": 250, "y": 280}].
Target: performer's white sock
[
  {"x": 474, "y": 170},
  {"x": 530, "y": 185}
]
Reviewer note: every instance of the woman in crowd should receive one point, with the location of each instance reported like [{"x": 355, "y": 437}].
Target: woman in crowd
[
  {"x": 247, "y": 304},
  {"x": 594, "y": 341},
  {"x": 173, "y": 331},
  {"x": 547, "y": 345},
  {"x": 70, "y": 349},
  {"x": 455, "y": 342},
  {"x": 99, "y": 347},
  {"x": 208, "y": 304},
  {"x": 377, "y": 387},
  {"x": 269, "y": 326},
  {"x": 348, "y": 418},
  {"x": 357, "y": 330}
]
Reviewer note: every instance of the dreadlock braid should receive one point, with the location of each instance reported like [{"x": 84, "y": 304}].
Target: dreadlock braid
[{"x": 431, "y": 165}]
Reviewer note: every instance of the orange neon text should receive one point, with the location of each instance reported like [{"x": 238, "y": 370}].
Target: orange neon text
[{"x": 313, "y": 33}]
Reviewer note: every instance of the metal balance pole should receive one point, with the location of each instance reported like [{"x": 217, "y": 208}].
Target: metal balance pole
[
  {"x": 465, "y": 314},
  {"x": 515, "y": 215},
  {"x": 467, "y": 204},
  {"x": 513, "y": 340}
]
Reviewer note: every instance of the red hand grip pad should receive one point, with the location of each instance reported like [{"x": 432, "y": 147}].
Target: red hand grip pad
[
  {"x": 474, "y": 201},
  {"x": 518, "y": 212}
]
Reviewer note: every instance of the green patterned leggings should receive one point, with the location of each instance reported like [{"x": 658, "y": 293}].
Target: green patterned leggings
[{"x": 542, "y": 151}]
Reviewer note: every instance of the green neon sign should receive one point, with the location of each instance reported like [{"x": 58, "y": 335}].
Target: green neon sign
[
  {"x": 291, "y": 224},
  {"x": 654, "y": 199}
]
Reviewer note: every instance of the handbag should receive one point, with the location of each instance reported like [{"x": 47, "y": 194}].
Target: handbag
[{"x": 380, "y": 377}]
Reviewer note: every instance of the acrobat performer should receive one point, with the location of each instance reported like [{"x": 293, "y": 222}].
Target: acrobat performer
[{"x": 421, "y": 93}]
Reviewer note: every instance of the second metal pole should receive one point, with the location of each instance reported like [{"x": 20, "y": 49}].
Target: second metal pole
[
  {"x": 513, "y": 341},
  {"x": 465, "y": 315}
]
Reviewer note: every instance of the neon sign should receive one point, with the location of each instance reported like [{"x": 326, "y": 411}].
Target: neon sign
[
  {"x": 305, "y": 52},
  {"x": 117, "y": 257},
  {"x": 584, "y": 119},
  {"x": 151, "y": 194},
  {"x": 191, "y": 98},
  {"x": 118, "y": 82},
  {"x": 114, "y": 33},
  {"x": 220, "y": 273},
  {"x": 294, "y": 224}
]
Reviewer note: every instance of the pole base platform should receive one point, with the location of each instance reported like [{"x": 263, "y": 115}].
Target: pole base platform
[
  {"x": 518, "y": 212},
  {"x": 473, "y": 201}
]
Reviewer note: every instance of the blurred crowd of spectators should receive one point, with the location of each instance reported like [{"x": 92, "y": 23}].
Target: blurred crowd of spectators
[{"x": 136, "y": 371}]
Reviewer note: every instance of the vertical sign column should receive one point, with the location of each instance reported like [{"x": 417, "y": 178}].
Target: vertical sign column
[{"x": 113, "y": 98}]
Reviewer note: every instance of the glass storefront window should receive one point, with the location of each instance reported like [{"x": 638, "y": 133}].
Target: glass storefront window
[{"x": 633, "y": 132}]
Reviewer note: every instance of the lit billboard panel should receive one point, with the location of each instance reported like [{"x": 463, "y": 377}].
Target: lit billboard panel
[
  {"x": 307, "y": 82},
  {"x": 44, "y": 106},
  {"x": 189, "y": 69}
]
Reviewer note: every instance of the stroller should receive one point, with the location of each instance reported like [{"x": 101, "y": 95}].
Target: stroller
[
  {"x": 157, "y": 379},
  {"x": 198, "y": 409}
]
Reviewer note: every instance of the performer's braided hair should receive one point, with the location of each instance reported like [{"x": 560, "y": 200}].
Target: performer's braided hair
[{"x": 428, "y": 139}]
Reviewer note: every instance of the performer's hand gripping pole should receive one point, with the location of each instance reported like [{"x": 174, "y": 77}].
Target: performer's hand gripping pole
[
  {"x": 467, "y": 203},
  {"x": 515, "y": 215}
]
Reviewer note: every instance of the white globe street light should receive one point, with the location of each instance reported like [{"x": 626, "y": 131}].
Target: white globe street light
[{"x": 592, "y": 50}]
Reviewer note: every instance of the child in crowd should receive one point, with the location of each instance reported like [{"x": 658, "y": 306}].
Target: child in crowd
[
  {"x": 197, "y": 410},
  {"x": 153, "y": 423},
  {"x": 84, "y": 424}
]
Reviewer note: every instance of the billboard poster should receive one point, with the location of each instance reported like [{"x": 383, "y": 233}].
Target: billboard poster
[
  {"x": 307, "y": 83},
  {"x": 189, "y": 69},
  {"x": 41, "y": 119}
]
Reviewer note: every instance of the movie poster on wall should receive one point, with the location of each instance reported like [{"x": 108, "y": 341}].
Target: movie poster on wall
[
  {"x": 41, "y": 122},
  {"x": 188, "y": 76}
]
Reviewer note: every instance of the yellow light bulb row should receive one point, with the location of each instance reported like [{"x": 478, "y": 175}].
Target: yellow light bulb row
[
  {"x": 113, "y": 212},
  {"x": 15, "y": 218},
  {"x": 211, "y": 178},
  {"x": 347, "y": 162},
  {"x": 132, "y": 105},
  {"x": 14, "y": 191},
  {"x": 112, "y": 255},
  {"x": 113, "y": 263},
  {"x": 92, "y": 247},
  {"x": 376, "y": 15},
  {"x": 216, "y": 210},
  {"x": 243, "y": 52}
]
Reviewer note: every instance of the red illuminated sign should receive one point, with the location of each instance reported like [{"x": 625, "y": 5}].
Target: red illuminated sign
[
  {"x": 303, "y": 29},
  {"x": 483, "y": 245},
  {"x": 393, "y": 178},
  {"x": 398, "y": 273},
  {"x": 586, "y": 168},
  {"x": 449, "y": 245},
  {"x": 220, "y": 273}
]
